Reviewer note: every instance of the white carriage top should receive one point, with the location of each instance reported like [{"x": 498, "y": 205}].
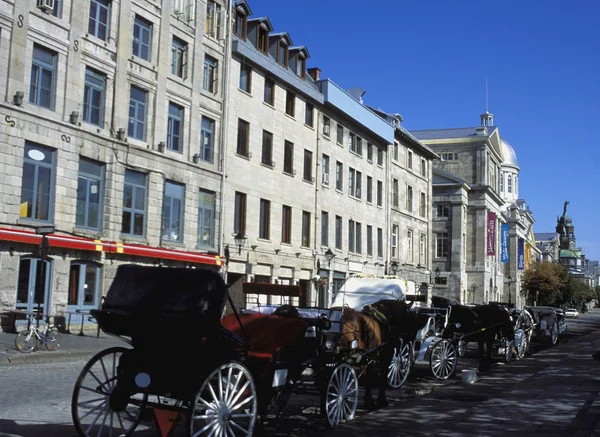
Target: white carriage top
[{"x": 361, "y": 290}]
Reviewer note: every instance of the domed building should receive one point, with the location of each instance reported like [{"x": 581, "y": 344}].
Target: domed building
[{"x": 509, "y": 173}]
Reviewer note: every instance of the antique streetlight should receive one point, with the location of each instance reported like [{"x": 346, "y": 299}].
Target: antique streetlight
[
  {"x": 329, "y": 255},
  {"x": 394, "y": 267},
  {"x": 240, "y": 240},
  {"x": 510, "y": 281}
]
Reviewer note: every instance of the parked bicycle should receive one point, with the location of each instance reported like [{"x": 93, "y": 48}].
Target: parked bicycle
[{"x": 29, "y": 340}]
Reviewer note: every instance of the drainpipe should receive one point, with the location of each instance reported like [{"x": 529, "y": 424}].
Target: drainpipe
[{"x": 318, "y": 165}]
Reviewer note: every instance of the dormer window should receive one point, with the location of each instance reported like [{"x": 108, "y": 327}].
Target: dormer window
[
  {"x": 282, "y": 53},
  {"x": 240, "y": 27},
  {"x": 262, "y": 42},
  {"x": 301, "y": 66}
]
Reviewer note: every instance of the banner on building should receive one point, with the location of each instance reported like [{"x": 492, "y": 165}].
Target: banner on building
[
  {"x": 528, "y": 249},
  {"x": 521, "y": 254},
  {"x": 491, "y": 233},
  {"x": 504, "y": 243}
]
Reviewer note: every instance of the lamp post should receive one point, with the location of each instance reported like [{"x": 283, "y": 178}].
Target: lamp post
[
  {"x": 510, "y": 281},
  {"x": 41, "y": 270},
  {"x": 329, "y": 255},
  {"x": 240, "y": 241},
  {"x": 394, "y": 267}
]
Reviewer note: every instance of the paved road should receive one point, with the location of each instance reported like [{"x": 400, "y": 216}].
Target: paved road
[{"x": 35, "y": 398}]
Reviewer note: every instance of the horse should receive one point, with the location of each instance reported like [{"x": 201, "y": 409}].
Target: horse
[
  {"x": 375, "y": 328},
  {"x": 482, "y": 324}
]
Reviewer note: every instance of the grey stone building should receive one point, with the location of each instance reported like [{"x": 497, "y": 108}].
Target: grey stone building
[{"x": 111, "y": 132}]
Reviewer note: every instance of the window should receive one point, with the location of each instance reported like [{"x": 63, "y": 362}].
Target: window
[
  {"x": 99, "y": 19},
  {"x": 175, "y": 128},
  {"x": 135, "y": 192},
  {"x": 394, "y": 241},
  {"x": 509, "y": 184},
  {"x": 269, "y": 96},
  {"x": 57, "y": 10},
  {"x": 339, "y": 176},
  {"x": 240, "y": 26},
  {"x": 380, "y": 157},
  {"x": 264, "y": 229},
  {"x": 309, "y": 114},
  {"x": 441, "y": 245},
  {"x": 324, "y": 228},
  {"x": 422, "y": 206},
  {"x": 502, "y": 182},
  {"x": 340, "y": 134},
  {"x": 246, "y": 78},
  {"x": 262, "y": 42},
  {"x": 84, "y": 285},
  {"x": 395, "y": 156},
  {"x": 183, "y": 10},
  {"x": 358, "y": 191},
  {"x": 43, "y": 77},
  {"x": 90, "y": 191},
  {"x": 308, "y": 165},
  {"x": 358, "y": 238},
  {"x": 395, "y": 201},
  {"x": 213, "y": 19},
  {"x": 142, "y": 38},
  {"x": 301, "y": 66},
  {"x": 286, "y": 224},
  {"x": 359, "y": 145},
  {"x": 243, "y": 140},
  {"x": 93, "y": 97},
  {"x": 267, "y": 149},
  {"x": 369, "y": 240},
  {"x": 379, "y": 193},
  {"x": 369, "y": 152},
  {"x": 338, "y": 232},
  {"x": 325, "y": 169},
  {"x": 305, "y": 229},
  {"x": 179, "y": 58},
  {"x": 282, "y": 52},
  {"x": 138, "y": 100},
  {"x": 423, "y": 168},
  {"x": 380, "y": 242},
  {"x": 352, "y": 140},
  {"x": 354, "y": 182},
  {"x": 422, "y": 247},
  {"x": 351, "y": 235},
  {"x": 288, "y": 157},
  {"x": 409, "y": 246},
  {"x": 326, "y": 126},
  {"x": 239, "y": 213},
  {"x": 290, "y": 103},
  {"x": 369, "y": 189},
  {"x": 37, "y": 187},
  {"x": 409, "y": 199},
  {"x": 207, "y": 139},
  {"x": 443, "y": 210},
  {"x": 172, "y": 214},
  {"x": 206, "y": 219},
  {"x": 409, "y": 160},
  {"x": 210, "y": 75}
]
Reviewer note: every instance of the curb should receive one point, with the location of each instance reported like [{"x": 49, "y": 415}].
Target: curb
[{"x": 44, "y": 358}]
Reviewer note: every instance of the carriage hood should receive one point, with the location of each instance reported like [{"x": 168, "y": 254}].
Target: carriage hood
[{"x": 360, "y": 291}]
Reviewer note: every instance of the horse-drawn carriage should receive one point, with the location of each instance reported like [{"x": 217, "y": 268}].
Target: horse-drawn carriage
[
  {"x": 184, "y": 363},
  {"x": 549, "y": 323}
]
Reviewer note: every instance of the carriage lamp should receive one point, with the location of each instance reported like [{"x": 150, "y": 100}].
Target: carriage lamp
[
  {"x": 329, "y": 255},
  {"x": 240, "y": 240}
]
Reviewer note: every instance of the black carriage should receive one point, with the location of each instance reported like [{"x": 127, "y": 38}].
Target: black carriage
[
  {"x": 549, "y": 323},
  {"x": 182, "y": 363}
]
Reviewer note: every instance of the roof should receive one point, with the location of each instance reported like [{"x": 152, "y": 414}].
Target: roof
[
  {"x": 510, "y": 157},
  {"x": 459, "y": 132},
  {"x": 545, "y": 236}
]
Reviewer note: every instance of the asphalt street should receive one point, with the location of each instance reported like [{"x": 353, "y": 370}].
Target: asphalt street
[{"x": 35, "y": 398}]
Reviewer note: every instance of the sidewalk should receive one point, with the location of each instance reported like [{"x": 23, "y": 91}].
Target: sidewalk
[{"x": 72, "y": 346}]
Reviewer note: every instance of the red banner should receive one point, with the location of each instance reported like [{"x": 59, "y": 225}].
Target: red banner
[{"x": 491, "y": 233}]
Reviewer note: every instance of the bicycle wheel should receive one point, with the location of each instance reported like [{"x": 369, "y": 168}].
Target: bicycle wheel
[
  {"x": 26, "y": 341},
  {"x": 52, "y": 339}
]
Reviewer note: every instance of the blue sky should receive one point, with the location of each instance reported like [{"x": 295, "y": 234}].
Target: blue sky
[{"x": 428, "y": 60}]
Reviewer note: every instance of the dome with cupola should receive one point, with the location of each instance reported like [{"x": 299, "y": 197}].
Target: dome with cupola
[{"x": 508, "y": 152}]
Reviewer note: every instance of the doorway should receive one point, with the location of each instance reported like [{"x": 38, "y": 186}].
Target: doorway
[{"x": 29, "y": 298}]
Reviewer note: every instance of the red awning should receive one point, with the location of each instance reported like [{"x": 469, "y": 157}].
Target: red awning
[
  {"x": 271, "y": 289},
  {"x": 79, "y": 243}
]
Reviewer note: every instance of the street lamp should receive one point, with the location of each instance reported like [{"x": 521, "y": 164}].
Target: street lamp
[
  {"x": 240, "y": 240},
  {"x": 510, "y": 281},
  {"x": 437, "y": 274},
  {"x": 41, "y": 270},
  {"x": 329, "y": 255},
  {"x": 394, "y": 267}
]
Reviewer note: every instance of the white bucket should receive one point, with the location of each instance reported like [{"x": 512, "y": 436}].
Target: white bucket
[{"x": 469, "y": 376}]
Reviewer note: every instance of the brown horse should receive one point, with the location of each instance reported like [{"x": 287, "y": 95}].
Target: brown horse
[{"x": 375, "y": 329}]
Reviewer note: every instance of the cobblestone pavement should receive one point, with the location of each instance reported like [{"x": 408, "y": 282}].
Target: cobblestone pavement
[{"x": 553, "y": 393}]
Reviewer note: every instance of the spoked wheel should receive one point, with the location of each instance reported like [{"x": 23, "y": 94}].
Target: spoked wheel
[
  {"x": 508, "y": 350},
  {"x": 443, "y": 359},
  {"x": 226, "y": 404},
  {"x": 400, "y": 365},
  {"x": 26, "y": 341},
  {"x": 99, "y": 407},
  {"x": 461, "y": 348},
  {"x": 522, "y": 344},
  {"x": 554, "y": 334},
  {"x": 52, "y": 339},
  {"x": 339, "y": 400}
]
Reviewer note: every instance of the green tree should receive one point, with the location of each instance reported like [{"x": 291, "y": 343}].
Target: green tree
[{"x": 545, "y": 282}]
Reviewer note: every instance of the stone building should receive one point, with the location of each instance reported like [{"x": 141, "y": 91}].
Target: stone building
[{"x": 111, "y": 132}]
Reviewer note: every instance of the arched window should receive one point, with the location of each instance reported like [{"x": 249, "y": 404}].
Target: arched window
[
  {"x": 84, "y": 285},
  {"x": 502, "y": 182},
  {"x": 509, "y": 185}
]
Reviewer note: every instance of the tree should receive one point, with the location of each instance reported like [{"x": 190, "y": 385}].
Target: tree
[{"x": 545, "y": 282}]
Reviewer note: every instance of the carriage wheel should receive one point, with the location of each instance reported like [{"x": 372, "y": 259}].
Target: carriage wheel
[
  {"x": 554, "y": 334},
  {"x": 443, "y": 359},
  {"x": 522, "y": 346},
  {"x": 400, "y": 365},
  {"x": 226, "y": 404},
  {"x": 508, "y": 350},
  {"x": 461, "y": 348},
  {"x": 340, "y": 398},
  {"x": 99, "y": 408}
]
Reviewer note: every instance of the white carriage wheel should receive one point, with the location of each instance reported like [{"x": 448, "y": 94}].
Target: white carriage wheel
[
  {"x": 98, "y": 407},
  {"x": 554, "y": 333},
  {"x": 339, "y": 401},
  {"x": 226, "y": 404},
  {"x": 508, "y": 350},
  {"x": 522, "y": 346},
  {"x": 443, "y": 359},
  {"x": 461, "y": 348},
  {"x": 400, "y": 365}
]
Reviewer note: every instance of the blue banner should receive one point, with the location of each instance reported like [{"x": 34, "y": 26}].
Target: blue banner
[
  {"x": 504, "y": 243},
  {"x": 521, "y": 252}
]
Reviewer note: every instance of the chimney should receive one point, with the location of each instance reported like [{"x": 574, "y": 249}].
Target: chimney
[{"x": 315, "y": 73}]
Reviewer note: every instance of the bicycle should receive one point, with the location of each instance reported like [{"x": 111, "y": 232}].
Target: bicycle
[{"x": 29, "y": 340}]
